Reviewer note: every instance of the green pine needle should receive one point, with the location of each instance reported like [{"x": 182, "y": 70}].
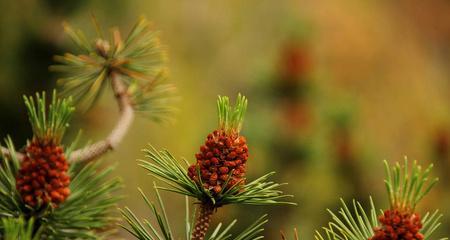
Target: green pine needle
[
  {"x": 87, "y": 211},
  {"x": 139, "y": 60},
  {"x": 430, "y": 222},
  {"x": 166, "y": 168},
  {"x": 351, "y": 223},
  {"x": 145, "y": 230},
  {"x": 10, "y": 199},
  {"x": 406, "y": 187},
  {"x": 19, "y": 228},
  {"x": 231, "y": 118},
  {"x": 49, "y": 122},
  {"x": 155, "y": 100}
]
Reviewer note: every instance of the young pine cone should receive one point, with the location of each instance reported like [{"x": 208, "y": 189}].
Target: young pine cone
[
  {"x": 43, "y": 178},
  {"x": 398, "y": 225},
  {"x": 222, "y": 158}
]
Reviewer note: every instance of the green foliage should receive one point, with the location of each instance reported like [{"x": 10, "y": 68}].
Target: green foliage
[
  {"x": 49, "y": 123},
  {"x": 144, "y": 230},
  {"x": 10, "y": 200},
  {"x": 356, "y": 225},
  {"x": 90, "y": 206},
  {"x": 139, "y": 230},
  {"x": 231, "y": 118},
  {"x": 407, "y": 187},
  {"x": 139, "y": 60},
  {"x": 166, "y": 168},
  {"x": 87, "y": 209},
  {"x": 19, "y": 229},
  {"x": 153, "y": 100},
  {"x": 359, "y": 225}
]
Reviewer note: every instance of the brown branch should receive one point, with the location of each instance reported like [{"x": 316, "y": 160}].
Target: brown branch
[
  {"x": 115, "y": 137},
  {"x": 202, "y": 222}
]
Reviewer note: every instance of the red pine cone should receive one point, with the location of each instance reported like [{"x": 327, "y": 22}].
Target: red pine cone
[
  {"x": 399, "y": 225},
  {"x": 222, "y": 154},
  {"x": 43, "y": 178}
]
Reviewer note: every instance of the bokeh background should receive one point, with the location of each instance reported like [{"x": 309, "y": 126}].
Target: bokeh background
[{"x": 335, "y": 87}]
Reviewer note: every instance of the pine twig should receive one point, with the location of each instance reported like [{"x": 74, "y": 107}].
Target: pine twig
[
  {"x": 202, "y": 222},
  {"x": 115, "y": 137}
]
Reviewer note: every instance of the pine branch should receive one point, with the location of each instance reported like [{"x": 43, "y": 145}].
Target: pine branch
[
  {"x": 406, "y": 187},
  {"x": 87, "y": 209},
  {"x": 135, "y": 69},
  {"x": 145, "y": 230},
  {"x": 166, "y": 168},
  {"x": 115, "y": 137},
  {"x": 351, "y": 223},
  {"x": 117, "y": 133}
]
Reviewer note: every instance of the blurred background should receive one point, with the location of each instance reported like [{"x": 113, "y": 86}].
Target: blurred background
[{"x": 334, "y": 88}]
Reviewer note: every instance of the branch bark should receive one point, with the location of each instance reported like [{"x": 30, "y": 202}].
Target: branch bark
[{"x": 99, "y": 148}]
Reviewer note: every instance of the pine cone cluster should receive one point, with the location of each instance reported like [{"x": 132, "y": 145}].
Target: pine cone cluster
[
  {"x": 222, "y": 158},
  {"x": 399, "y": 225},
  {"x": 43, "y": 178}
]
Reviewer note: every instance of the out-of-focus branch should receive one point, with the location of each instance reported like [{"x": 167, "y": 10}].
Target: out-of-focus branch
[{"x": 115, "y": 137}]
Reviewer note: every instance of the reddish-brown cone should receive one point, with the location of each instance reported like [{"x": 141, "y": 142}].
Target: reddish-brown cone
[
  {"x": 398, "y": 225},
  {"x": 221, "y": 155},
  {"x": 43, "y": 178}
]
